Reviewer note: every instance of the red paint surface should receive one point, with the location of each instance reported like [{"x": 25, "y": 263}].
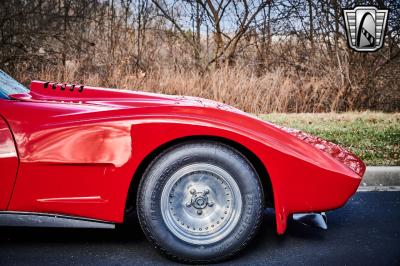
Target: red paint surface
[
  {"x": 79, "y": 150},
  {"x": 8, "y": 164}
]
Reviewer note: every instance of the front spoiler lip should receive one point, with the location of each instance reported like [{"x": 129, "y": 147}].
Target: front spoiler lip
[{"x": 313, "y": 219}]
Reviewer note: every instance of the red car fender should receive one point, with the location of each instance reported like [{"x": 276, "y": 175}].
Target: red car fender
[
  {"x": 78, "y": 154},
  {"x": 298, "y": 186}
]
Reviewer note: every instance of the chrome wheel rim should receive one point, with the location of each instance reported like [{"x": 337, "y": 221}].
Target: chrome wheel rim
[{"x": 201, "y": 203}]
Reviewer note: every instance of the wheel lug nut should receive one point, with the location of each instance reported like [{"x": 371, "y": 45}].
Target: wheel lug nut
[
  {"x": 188, "y": 204},
  {"x": 199, "y": 212},
  {"x": 206, "y": 191},
  {"x": 210, "y": 204},
  {"x": 192, "y": 191}
]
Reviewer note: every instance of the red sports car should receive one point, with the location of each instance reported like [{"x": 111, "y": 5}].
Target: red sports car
[{"x": 197, "y": 173}]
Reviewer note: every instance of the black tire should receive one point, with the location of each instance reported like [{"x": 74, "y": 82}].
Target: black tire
[{"x": 192, "y": 153}]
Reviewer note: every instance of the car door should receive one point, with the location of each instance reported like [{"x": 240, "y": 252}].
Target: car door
[{"x": 8, "y": 163}]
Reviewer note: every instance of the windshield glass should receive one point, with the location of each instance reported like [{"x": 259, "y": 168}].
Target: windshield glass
[{"x": 8, "y": 85}]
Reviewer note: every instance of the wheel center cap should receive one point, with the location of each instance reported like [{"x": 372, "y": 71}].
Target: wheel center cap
[{"x": 199, "y": 200}]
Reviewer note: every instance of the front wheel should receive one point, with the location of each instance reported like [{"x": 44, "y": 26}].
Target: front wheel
[{"x": 200, "y": 202}]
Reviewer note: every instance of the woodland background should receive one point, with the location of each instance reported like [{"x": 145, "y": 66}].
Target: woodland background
[{"x": 260, "y": 56}]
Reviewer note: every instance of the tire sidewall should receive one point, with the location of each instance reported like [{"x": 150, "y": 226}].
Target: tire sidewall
[{"x": 159, "y": 172}]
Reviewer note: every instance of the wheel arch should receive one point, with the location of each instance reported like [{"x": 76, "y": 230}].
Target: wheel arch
[{"x": 255, "y": 161}]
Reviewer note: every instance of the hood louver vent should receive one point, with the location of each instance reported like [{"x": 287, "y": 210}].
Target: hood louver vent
[{"x": 64, "y": 86}]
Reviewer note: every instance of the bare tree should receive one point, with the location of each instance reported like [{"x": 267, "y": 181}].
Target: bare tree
[{"x": 303, "y": 40}]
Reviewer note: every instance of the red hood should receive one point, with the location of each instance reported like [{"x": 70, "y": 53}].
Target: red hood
[{"x": 61, "y": 92}]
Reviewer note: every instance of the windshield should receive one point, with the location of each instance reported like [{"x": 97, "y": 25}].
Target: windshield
[{"x": 9, "y": 86}]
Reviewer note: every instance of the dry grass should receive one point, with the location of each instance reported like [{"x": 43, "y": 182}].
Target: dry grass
[{"x": 274, "y": 91}]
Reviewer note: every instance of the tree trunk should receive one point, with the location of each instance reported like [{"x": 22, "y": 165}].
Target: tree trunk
[{"x": 311, "y": 17}]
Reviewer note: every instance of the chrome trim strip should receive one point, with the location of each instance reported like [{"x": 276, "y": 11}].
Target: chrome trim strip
[{"x": 33, "y": 219}]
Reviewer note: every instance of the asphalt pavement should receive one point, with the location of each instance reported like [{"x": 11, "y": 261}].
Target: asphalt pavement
[{"x": 366, "y": 231}]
